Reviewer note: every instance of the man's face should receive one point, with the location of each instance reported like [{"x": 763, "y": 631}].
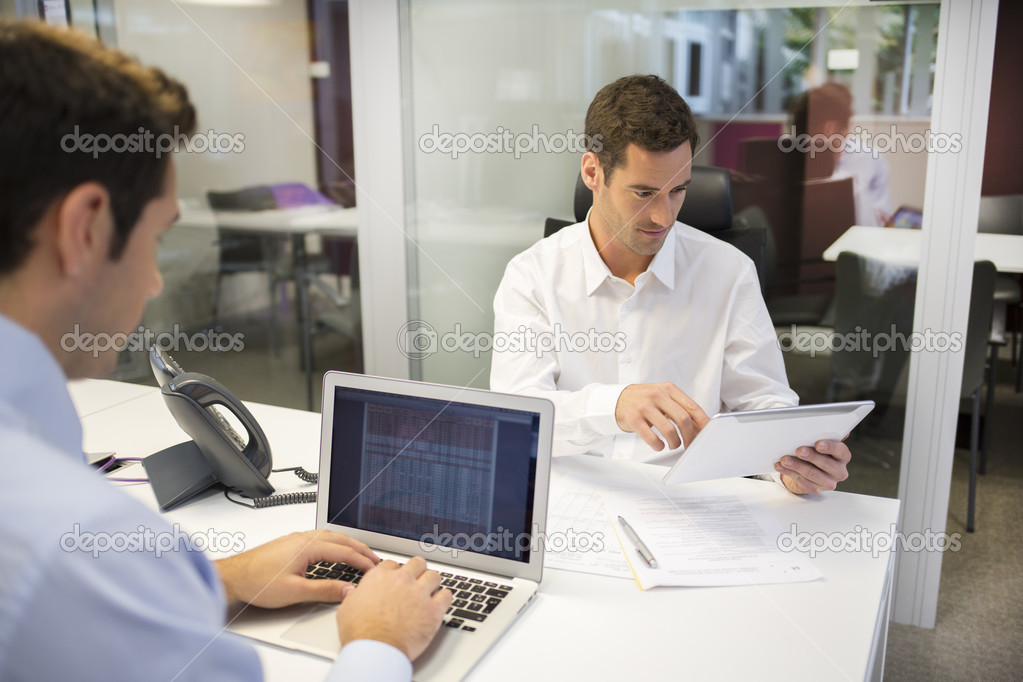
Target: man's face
[
  {"x": 122, "y": 287},
  {"x": 638, "y": 207}
]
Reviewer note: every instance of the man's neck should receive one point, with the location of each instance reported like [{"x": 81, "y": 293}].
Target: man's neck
[
  {"x": 29, "y": 312},
  {"x": 621, "y": 261}
]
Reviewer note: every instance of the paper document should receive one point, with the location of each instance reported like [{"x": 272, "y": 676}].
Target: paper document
[
  {"x": 576, "y": 509},
  {"x": 703, "y": 538}
]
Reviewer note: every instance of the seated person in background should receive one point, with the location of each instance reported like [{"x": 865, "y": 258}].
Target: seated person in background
[
  {"x": 671, "y": 320},
  {"x": 78, "y": 243},
  {"x": 823, "y": 114}
]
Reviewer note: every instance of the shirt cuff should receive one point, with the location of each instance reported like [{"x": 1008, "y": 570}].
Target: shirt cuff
[
  {"x": 601, "y": 402},
  {"x": 368, "y": 659}
]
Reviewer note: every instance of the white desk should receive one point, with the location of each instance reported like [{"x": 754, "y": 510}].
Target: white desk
[
  {"x": 902, "y": 247},
  {"x": 585, "y": 626},
  {"x": 90, "y": 395}
]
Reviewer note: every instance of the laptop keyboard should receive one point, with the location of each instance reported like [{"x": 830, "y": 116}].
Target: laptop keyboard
[{"x": 475, "y": 599}]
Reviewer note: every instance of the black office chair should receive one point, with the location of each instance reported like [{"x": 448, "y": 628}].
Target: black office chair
[
  {"x": 1004, "y": 215},
  {"x": 874, "y": 298},
  {"x": 978, "y": 329},
  {"x": 866, "y": 300},
  {"x": 785, "y": 309},
  {"x": 707, "y": 207},
  {"x": 342, "y": 315}
]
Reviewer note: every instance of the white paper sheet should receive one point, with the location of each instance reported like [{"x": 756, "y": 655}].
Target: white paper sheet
[
  {"x": 575, "y": 508},
  {"x": 702, "y": 538}
]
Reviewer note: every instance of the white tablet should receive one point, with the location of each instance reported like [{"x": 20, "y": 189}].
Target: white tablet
[{"x": 748, "y": 443}]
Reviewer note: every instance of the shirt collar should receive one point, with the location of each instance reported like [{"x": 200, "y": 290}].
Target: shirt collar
[
  {"x": 33, "y": 389},
  {"x": 663, "y": 264},
  {"x": 596, "y": 271}
]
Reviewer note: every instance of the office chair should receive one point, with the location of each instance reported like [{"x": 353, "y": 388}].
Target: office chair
[
  {"x": 344, "y": 315},
  {"x": 828, "y": 210},
  {"x": 707, "y": 207},
  {"x": 1004, "y": 215},
  {"x": 978, "y": 329},
  {"x": 242, "y": 251},
  {"x": 785, "y": 309},
  {"x": 876, "y": 298},
  {"x": 806, "y": 208}
]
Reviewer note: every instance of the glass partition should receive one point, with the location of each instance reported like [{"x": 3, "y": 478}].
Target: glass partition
[
  {"x": 821, "y": 114},
  {"x": 263, "y": 251}
]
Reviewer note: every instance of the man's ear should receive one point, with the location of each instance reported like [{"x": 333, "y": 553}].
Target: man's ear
[
  {"x": 84, "y": 229},
  {"x": 593, "y": 174}
]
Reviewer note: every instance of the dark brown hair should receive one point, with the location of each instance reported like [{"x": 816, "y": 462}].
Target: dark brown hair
[
  {"x": 640, "y": 110},
  {"x": 55, "y": 83}
]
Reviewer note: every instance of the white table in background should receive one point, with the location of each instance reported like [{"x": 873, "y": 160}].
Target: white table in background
[{"x": 900, "y": 246}]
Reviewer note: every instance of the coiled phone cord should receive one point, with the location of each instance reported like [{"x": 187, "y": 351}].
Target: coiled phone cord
[{"x": 284, "y": 498}]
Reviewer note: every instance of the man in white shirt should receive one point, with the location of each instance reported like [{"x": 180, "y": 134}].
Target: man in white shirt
[
  {"x": 78, "y": 242},
  {"x": 637, "y": 326},
  {"x": 820, "y": 120}
]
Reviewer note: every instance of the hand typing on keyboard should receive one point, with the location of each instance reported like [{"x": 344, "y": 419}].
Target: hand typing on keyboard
[
  {"x": 398, "y": 605},
  {"x": 474, "y": 599},
  {"x": 274, "y": 574}
]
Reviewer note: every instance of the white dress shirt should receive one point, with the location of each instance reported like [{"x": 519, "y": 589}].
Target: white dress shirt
[
  {"x": 696, "y": 318},
  {"x": 67, "y": 614},
  {"x": 871, "y": 193}
]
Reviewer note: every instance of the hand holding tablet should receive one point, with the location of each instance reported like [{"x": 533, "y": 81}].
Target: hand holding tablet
[{"x": 748, "y": 443}]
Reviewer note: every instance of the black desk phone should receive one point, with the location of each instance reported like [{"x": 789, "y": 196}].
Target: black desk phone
[{"x": 217, "y": 453}]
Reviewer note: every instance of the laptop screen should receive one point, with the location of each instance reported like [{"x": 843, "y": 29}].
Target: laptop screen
[{"x": 454, "y": 474}]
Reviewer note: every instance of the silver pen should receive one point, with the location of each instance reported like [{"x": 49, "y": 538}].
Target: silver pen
[{"x": 644, "y": 551}]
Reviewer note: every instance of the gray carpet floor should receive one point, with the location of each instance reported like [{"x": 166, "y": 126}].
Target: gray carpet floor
[{"x": 979, "y": 630}]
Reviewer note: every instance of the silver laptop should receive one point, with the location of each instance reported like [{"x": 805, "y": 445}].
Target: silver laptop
[{"x": 458, "y": 476}]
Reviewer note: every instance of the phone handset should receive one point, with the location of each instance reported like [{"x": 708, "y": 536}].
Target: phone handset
[
  {"x": 241, "y": 464},
  {"x": 218, "y": 453}
]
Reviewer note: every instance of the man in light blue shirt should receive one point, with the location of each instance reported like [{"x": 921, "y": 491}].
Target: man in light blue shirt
[{"x": 78, "y": 240}]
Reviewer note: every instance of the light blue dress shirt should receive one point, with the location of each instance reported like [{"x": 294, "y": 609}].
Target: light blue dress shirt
[{"x": 69, "y": 612}]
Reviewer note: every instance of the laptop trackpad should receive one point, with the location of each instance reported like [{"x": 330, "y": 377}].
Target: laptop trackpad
[
  {"x": 444, "y": 655},
  {"x": 316, "y": 629}
]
